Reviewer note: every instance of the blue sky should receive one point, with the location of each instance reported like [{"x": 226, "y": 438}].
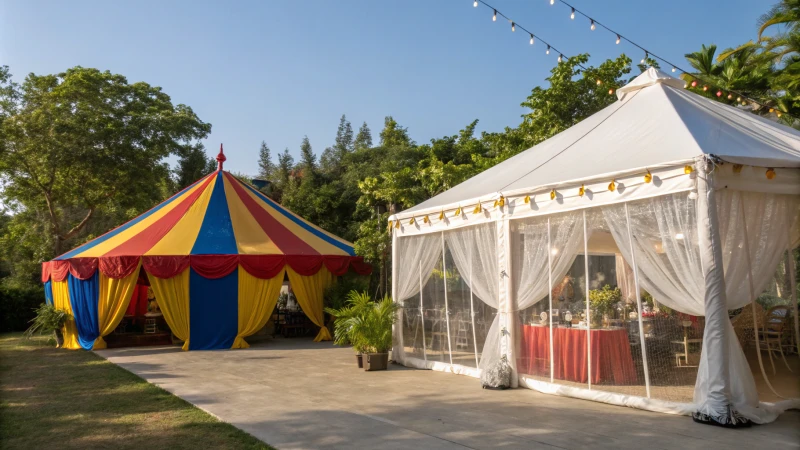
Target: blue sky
[{"x": 279, "y": 70}]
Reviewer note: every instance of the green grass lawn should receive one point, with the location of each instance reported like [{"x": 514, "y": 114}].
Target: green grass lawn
[{"x": 51, "y": 398}]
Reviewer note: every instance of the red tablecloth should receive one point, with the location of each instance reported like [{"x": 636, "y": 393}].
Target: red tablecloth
[{"x": 611, "y": 355}]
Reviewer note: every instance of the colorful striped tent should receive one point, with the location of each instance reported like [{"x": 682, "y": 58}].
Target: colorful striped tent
[{"x": 215, "y": 253}]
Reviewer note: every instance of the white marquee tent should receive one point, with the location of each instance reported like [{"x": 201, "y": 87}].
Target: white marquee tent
[{"x": 686, "y": 204}]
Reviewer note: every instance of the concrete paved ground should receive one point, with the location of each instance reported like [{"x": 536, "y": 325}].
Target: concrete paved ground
[{"x": 297, "y": 394}]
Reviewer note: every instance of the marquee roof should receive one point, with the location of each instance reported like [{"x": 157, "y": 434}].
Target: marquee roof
[
  {"x": 213, "y": 225},
  {"x": 655, "y": 123}
]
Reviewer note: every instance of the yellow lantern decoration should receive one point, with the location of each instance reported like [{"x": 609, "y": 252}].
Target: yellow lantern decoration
[
  {"x": 688, "y": 169},
  {"x": 612, "y": 186},
  {"x": 648, "y": 177},
  {"x": 581, "y": 191},
  {"x": 425, "y": 219},
  {"x": 737, "y": 168},
  {"x": 553, "y": 194},
  {"x": 771, "y": 173},
  {"x": 527, "y": 199},
  {"x": 397, "y": 224},
  {"x": 390, "y": 226},
  {"x": 458, "y": 211},
  {"x": 411, "y": 222},
  {"x": 441, "y": 215},
  {"x": 496, "y": 203},
  {"x": 771, "y": 110},
  {"x": 477, "y": 209},
  {"x": 502, "y": 201}
]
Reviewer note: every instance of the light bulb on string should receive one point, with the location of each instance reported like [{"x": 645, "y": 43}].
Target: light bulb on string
[
  {"x": 552, "y": 2},
  {"x": 572, "y": 16},
  {"x": 475, "y": 3},
  {"x": 705, "y": 88},
  {"x": 599, "y": 82},
  {"x": 592, "y": 27},
  {"x": 719, "y": 93},
  {"x": 494, "y": 17},
  {"x": 618, "y": 39},
  {"x": 560, "y": 57},
  {"x": 548, "y": 50},
  {"x": 531, "y": 39},
  {"x": 644, "y": 60},
  {"x": 730, "y": 96},
  {"x": 673, "y": 69},
  {"x": 513, "y": 26}
]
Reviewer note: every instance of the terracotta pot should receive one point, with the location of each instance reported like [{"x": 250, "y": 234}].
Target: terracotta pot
[
  {"x": 360, "y": 360},
  {"x": 376, "y": 361}
]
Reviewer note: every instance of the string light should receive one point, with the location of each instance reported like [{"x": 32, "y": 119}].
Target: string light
[
  {"x": 619, "y": 37},
  {"x": 531, "y": 38},
  {"x": 513, "y": 27},
  {"x": 475, "y": 3},
  {"x": 687, "y": 169},
  {"x": 612, "y": 186},
  {"x": 611, "y": 92},
  {"x": 770, "y": 173},
  {"x": 548, "y": 50},
  {"x": 719, "y": 93},
  {"x": 705, "y": 88},
  {"x": 694, "y": 83},
  {"x": 599, "y": 82},
  {"x": 560, "y": 57},
  {"x": 494, "y": 17},
  {"x": 730, "y": 96}
]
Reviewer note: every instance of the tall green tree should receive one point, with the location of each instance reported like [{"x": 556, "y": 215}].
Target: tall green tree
[
  {"x": 333, "y": 157},
  {"x": 82, "y": 141},
  {"x": 308, "y": 163},
  {"x": 266, "y": 168},
  {"x": 193, "y": 164},
  {"x": 363, "y": 138}
]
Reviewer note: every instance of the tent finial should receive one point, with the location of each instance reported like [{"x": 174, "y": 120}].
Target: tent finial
[{"x": 220, "y": 158}]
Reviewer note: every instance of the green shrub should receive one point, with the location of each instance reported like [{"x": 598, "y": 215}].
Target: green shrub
[
  {"x": 48, "y": 319},
  {"x": 18, "y": 307}
]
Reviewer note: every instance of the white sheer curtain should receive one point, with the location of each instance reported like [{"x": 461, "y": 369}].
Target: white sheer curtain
[
  {"x": 474, "y": 251},
  {"x": 768, "y": 218},
  {"x": 667, "y": 254},
  {"x": 415, "y": 255},
  {"x": 530, "y": 251}
]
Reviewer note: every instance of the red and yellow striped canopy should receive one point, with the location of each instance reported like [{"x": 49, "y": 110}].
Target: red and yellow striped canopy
[{"x": 214, "y": 225}]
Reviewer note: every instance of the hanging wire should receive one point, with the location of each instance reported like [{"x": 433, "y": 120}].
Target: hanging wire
[{"x": 648, "y": 53}]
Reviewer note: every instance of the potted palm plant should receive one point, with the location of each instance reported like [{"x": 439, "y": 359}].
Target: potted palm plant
[
  {"x": 374, "y": 330},
  {"x": 356, "y": 306},
  {"x": 49, "y": 319}
]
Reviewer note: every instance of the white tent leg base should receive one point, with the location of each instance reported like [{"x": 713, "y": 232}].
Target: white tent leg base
[{"x": 729, "y": 418}]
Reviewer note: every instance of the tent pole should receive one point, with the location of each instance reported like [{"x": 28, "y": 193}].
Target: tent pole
[
  {"x": 472, "y": 309},
  {"x": 398, "y": 354},
  {"x": 588, "y": 320},
  {"x": 446, "y": 307},
  {"x": 790, "y": 272},
  {"x": 422, "y": 317},
  {"x": 550, "y": 295},
  {"x": 638, "y": 302}
]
